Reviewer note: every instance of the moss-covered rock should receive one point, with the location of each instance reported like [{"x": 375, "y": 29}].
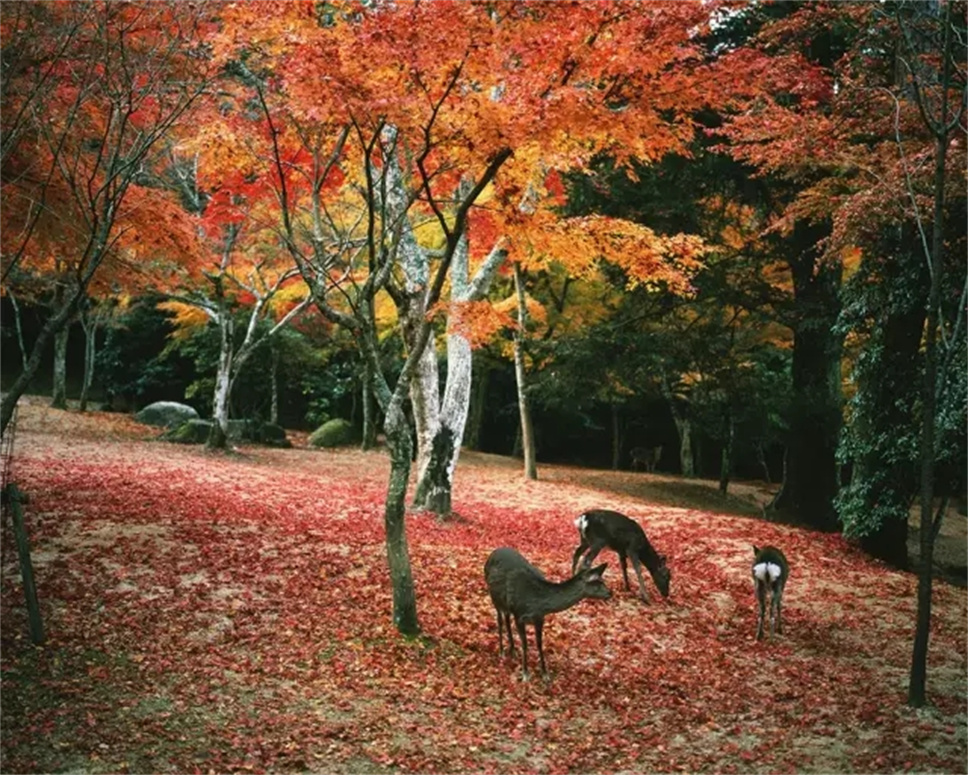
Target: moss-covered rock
[
  {"x": 273, "y": 435},
  {"x": 335, "y": 433},
  {"x": 191, "y": 432}
]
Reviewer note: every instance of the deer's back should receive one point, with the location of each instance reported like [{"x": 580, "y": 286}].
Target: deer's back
[
  {"x": 509, "y": 579},
  {"x": 616, "y": 529}
]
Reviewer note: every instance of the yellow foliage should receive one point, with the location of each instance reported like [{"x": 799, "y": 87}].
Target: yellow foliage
[{"x": 187, "y": 318}]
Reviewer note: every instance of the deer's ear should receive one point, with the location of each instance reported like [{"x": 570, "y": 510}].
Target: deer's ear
[
  {"x": 756, "y": 549},
  {"x": 600, "y": 569}
]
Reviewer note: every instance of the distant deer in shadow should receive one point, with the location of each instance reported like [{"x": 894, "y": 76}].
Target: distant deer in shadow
[
  {"x": 645, "y": 456},
  {"x": 601, "y": 528},
  {"x": 520, "y": 590}
]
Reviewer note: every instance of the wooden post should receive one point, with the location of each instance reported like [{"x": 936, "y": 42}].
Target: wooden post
[{"x": 15, "y": 498}]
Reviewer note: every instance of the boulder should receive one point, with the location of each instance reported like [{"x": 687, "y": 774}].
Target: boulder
[{"x": 167, "y": 414}]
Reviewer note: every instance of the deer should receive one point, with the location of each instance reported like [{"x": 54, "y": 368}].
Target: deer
[
  {"x": 770, "y": 573},
  {"x": 647, "y": 456},
  {"x": 520, "y": 590},
  {"x": 601, "y": 528}
]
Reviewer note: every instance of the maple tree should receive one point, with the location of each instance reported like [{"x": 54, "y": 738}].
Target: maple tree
[
  {"x": 367, "y": 92},
  {"x": 89, "y": 90}
]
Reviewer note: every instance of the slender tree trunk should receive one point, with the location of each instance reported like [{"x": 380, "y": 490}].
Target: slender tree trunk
[
  {"x": 59, "y": 393},
  {"x": 369, "y": 408},
  {"x": 18, "y": 327},
  {"x": 616, "y": 436},
  {"x": 274, "y": 377},
  {"x": 726, "y": 459},
  {"x": 684, "y": 427},
  {"x": 218, "y": 435},
  {"x": 527, "y": 432},
  {"x": 89, "y": 322},
  {"x": 917, "y": 688}
]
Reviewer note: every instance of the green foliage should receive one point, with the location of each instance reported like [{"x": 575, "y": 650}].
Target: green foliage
[
  {"x": 191, "y": 432},
  {"x": 334, "y": 433},
  {"x": 134, "y": 365}
]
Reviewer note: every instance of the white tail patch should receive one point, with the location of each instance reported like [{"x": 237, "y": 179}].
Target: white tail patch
[
  {"x": 581, "y": 523},
  {"x": 763, "y": 570}
]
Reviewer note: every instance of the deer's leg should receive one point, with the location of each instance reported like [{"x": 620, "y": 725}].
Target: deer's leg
[
  {"x": 507, "y": 626},
  {"x": 761, "y": 600},
  {"x": 522, "y": 633},
  {"x": 538, "y": 628},
  {"x": 637, "y": 567},
  {"x": 778, "y": 597},
  {"x": 596, "y": 547},
  {"x": 625, "y": 570},
  {"x": 500, "y": 634},
  {"x": 575, "y": 557}
]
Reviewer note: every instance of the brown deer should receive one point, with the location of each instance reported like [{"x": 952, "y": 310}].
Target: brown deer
[
  {"x": 520, "y": 590},
  {"x": 601, "y": 528},
  {"x": 647, "y": 456},
  {"x": 770, "y": 574}
]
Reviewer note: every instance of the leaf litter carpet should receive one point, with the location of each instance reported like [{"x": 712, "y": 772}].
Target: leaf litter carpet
[{"x": 229, "y": 613}]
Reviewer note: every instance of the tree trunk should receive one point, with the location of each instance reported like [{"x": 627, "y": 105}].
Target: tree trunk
[
  {"x": 684, "y": 427},
  {"x": 816, "y": 414},
  {"x": 59, "y": 393},
  {"x": 18, "y": 327},
  {"x": 527, "y": 432},
  {"x": 616, "y": 436},
  {"x": 397, "y": 432},
  {"x": 726, "y": 459},
  {"x": 917, "y": 687},
  {"x": 89, "y": 323},
  {"x": 434, "y": 486},
  {"x": 472, "y": 433},
  {"x": 369, "y": 409},
  {"x": 218, "y": 435},
  {"x": 274, "y": 377}
]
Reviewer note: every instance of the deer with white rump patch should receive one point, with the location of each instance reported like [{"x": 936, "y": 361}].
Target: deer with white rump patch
[
  {"x": 770, "y": 573},
  {"x": 520, "y": 590},
  {"x": 601, "y": 528}
]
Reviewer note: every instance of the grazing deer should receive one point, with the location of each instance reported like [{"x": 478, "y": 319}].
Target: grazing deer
[
  {"x": 520, "y": 590},
  {"x": 647, "y": 456},
  {"x": 770, "y": 573},
  {"x": 601, "y": 528}
]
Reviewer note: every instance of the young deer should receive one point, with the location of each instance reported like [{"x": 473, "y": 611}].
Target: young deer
[
  {"x": 770, "y": 573},
  {"x": 520, "y": 590},
  {"x": 647, "y": 456},
  {"x": 601, "y": 528}
]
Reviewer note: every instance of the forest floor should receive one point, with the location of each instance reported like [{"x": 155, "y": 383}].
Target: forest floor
[{"x": 232, "y": 612}]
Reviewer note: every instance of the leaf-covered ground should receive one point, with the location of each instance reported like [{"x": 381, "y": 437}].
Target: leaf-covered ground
[{"x": 222, "y": 613}]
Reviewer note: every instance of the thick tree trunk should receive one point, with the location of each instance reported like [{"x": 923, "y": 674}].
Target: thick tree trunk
[
  {"x": 520, "y": 373},
  {"x": 816, "y": 415},
  {"x": 59, "y": 393},
  {"x": 397, "y": 433},
  {"x": 425, "y": 400}
]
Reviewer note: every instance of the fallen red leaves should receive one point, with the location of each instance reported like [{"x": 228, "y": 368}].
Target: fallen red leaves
[{"x": 213, "y": 613}]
